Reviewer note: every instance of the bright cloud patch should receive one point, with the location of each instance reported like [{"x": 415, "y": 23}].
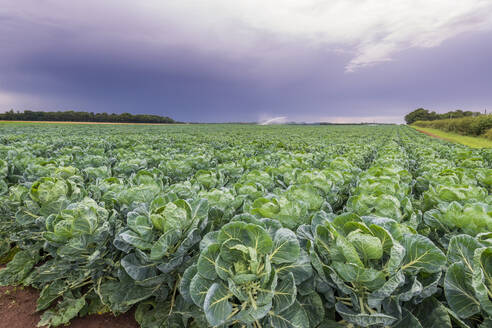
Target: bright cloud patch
[{"x": 371, "y": 30}]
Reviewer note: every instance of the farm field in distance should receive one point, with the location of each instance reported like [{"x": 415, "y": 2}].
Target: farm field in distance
[{"x": 227, "y": 225}]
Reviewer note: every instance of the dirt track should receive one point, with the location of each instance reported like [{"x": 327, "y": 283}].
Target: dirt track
[
  {"x": 433, "y": 135},
  {"x": 18, "y": 305}
]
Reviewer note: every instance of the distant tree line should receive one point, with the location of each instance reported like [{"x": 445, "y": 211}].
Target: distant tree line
[
  {"x": 76, "y": 116},
  {"x": 422, "y": 114}
]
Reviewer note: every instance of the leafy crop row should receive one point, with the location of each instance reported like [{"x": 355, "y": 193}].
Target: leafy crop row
[{"x": 248, "y": 226}]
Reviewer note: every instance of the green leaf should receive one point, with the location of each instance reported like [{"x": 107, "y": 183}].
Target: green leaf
[
  {"x": 199, "y": 287},
  {"x": 301, "y": 268},
  {"x": 167, "y": 240},
  {"x": 459, "y": 291},
  {"x": 314, "y": 308},
  {"x": 348, "y": 251},
  {"x": 50, "y": 293},
  {"x": 370, "y": 278},
  {"x": 206, "y": 262},
  {"x": 137, "y": 268},
  {"x": 408, "y": 320},
  {"x": 18, "y": 269},
  {"x": 216, "y": 306},
  {"x": 285, "y": 294},
  {"x": 285, "y": 247},
  {"x": 482, "y": 276},
  {"x": 369, "y": 247},
  {"x": 461, "y": 248},
  {"x": 184, "y": 284},
  {"x": 421, "y": 255},
  {"x": 258, "y": 239},
  {"x": 362, "y": 319},
  {"x": 63, "y": 313},
  {"x": 136, "y": 240},
  {"x": 292, "y": 317},
  {"x": 120, "y": 295},
  {"x": 432, "y": 314},
  {"x": 376, "y": 297}
]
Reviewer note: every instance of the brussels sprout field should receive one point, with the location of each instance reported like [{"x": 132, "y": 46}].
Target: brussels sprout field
[{"x": 247, "y": 226}]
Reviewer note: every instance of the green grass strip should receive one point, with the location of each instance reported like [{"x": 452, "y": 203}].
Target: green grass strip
[{"x": 473, "y": 142}]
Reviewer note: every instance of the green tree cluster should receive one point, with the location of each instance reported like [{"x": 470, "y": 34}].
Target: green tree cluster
[
  {"x": 421, "y": 114},
  {"x": 76, "y": 116}
]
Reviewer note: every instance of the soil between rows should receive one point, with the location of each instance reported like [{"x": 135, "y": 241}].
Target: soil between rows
[{"x": 18, "y": 310}]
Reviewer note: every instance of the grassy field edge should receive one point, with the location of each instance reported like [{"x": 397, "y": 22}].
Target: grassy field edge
[{"x": 474, "y": 142}]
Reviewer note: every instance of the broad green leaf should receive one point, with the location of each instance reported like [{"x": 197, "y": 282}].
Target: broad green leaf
[
  {"x": 292, "y": 317},
  {"x": 363, "y": 319},
  {"x": 459, "y": 291},
  {"x": 285, "y": 247},
  {"x": 216, "y": 306},
  {"x": 408, "y": 320},
  {"x": 482, "y": 277},
  {"x": 421, "y": 255},
  {"x": 376, "y": 297},
  {"x": 136, "y": 268},
  {"x": 284, "y": 294},
  {"x": 18, "y": 269},
  {"x": 184, "y": 284},
  {"x": 369, "y": 247},
  {"x": 314, "y": 308},
  {"x": 136, "y": 240},
  {"x": 258, "y": 239},
  {"x": 461, "y": 248},
  {"x": 432, "y": 314},
  {"x": 50, "y": 293},
  {"x": 369, "y": 278},
  {"x": 167, "y": 240},
  {"x": 199, "y": 287},
  {"x": 301, "y": 268},
  {"x": 348, "y": 251},
  {"x": 63, "y": 313}
]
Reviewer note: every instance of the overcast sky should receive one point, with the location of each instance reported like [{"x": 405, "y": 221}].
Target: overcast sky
[{"x": 247, "y": 60}]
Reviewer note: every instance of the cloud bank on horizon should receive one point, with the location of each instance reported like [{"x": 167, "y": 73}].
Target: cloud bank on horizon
[{"x": 220, "y": 60}]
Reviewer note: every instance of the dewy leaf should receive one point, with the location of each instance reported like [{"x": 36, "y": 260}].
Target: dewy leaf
[
  {"x": 206, "y": 262},
  {"x": 63, "y": 313},
  {"x": 376, "y": 297},
  {"x": 292, "y": 317},
  {"x": 160, "y": 247},
  {"x": 184, "y": 284},
  {"x": 135, "y": 240},
  {"x": 301, "y": 268},
  {"x": 369, "y": 247},
  {"x": 459, "y": 292},
  {"x": 348, "y": 251},
  {"x": 363, "y": 319},
  {"x": 369, "y": 278},
  {"x": 432, "y": 314},
  {"x": 421, "y": 255},
  {"x": 199, "y": 287},
  {"x": 314, "y": 308},
  {"x": 120, "y": 295},
  {"x": 482, "y": 277},
  {"x": 408, "y": 320},
  {"x": 50, "y": 293},
  {"x": 258, "y": 239},
  {"x": 461, "y": 248},
  {"x": 285, "y": 247},
  {"x": 18, "y": 269},
  {"x": 216, "y": 306},
  {"x": 136, "y": 268},
  {"x": 285, "y": 294}
]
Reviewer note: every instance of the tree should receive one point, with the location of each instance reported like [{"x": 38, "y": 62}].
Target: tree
[{"x": 419, "y": 114}]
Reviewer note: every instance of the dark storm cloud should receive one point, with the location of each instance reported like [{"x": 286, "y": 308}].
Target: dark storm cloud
[{"x": 51, "y": 63}]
